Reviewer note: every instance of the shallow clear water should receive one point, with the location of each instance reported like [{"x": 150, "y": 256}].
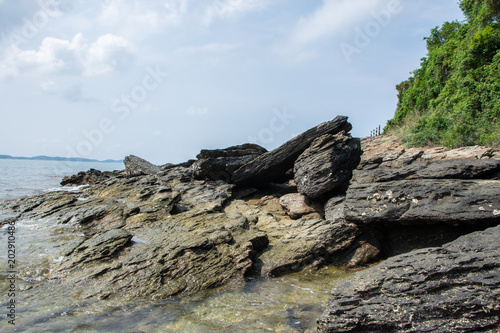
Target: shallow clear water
[{"x": 286, "y": 304}]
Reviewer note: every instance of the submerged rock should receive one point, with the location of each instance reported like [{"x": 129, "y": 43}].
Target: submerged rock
[{"x": 453, "y": 288}]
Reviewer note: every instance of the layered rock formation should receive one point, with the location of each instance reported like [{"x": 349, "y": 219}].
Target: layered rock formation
[
  {"x": 321, "y": 198},
  {"x": 409, "y": 203},
  {"x": 453, "y": 288}
]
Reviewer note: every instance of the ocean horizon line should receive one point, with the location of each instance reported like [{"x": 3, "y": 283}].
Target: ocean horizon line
[{"x": 58, "y": 158}]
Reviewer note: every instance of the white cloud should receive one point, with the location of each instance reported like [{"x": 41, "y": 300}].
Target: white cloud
[
  {"x": 209, "y": 48},
  {"x": 109, "y": 52},
  {"x": 197, "y": 111},
  {"x": 138, "y": 19},
  {"x": 333, "y": 17},
  {"x": 226, "y": 9},
  {"x": 76, "y": 56},
  {"x": 175, "y": 10}
]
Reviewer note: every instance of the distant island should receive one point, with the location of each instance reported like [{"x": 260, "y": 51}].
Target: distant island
[{"x": 50, "y": 158}]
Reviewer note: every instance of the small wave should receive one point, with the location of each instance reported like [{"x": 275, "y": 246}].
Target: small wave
[{"x": 66, "y": 188}]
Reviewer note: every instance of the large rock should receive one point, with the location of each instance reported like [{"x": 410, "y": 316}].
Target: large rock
[
  {"x": 136, "y": 166},
  {"x": 220, "y": 164},
  {"x": 273, "y": 165},
  {"x": 385, "y": 158},
  {"x": 326, "y": 164},
  {"x": 184, "y": 254},
  {"x": 453, "y": 288},
  {"x": 304, "y": 243},
  {"x": 424, "y": 201},
  {"x": 425, "y": 169}
]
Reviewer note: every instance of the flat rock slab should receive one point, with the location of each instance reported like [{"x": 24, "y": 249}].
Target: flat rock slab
[
  {"x": 424, "y": 201},
  {"x": 273, "y": 165},
  {"x": 444, "y": 169},
  {"x": 453, "y": 288}
]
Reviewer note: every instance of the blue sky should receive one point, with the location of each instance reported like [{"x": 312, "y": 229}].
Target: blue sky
[{"x": 162, "y": 79}]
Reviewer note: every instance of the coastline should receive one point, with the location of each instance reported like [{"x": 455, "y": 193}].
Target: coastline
[{"x": 238, "y": 214}]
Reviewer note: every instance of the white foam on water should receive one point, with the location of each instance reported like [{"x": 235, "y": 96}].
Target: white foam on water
[{"x": 66, "y": 188}]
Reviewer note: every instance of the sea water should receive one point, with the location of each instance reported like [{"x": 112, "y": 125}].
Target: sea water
[
  {"x": 20, "y": 178},
  {"x": 286, "y": 304}
]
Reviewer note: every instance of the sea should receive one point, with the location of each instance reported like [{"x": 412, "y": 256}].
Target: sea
[
  {"x": 291, "y": 303},
  {"x": 20, "y": 177}
]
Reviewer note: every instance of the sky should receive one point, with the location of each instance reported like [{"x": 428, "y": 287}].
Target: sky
[{"x": 163, "y": 79}]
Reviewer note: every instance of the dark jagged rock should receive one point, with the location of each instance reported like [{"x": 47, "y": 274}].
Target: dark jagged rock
[
  {"x": 453, "y": 288},
  {"x": 85, "y": 178},
  {"x": 169, "y": 166},
  {"x": 136, "y": 166},
  {"x": 326, "y": 164},
  {"x": 220, "y": 164},
  {"x": 233, "y": 151},
  {"x": 273, "y": 165},
  {"x": 425, "y": 201}
]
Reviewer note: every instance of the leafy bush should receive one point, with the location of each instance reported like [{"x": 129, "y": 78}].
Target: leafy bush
[{"x": 453, "y": 99}]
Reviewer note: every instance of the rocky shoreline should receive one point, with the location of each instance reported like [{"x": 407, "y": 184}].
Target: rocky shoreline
[{"x": 425, "y": 219}]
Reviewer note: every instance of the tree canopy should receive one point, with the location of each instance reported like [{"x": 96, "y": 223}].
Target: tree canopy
[{"x": 454, "y": 97}]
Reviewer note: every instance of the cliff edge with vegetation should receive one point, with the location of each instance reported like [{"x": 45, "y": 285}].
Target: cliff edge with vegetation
[{"x": 453, "y": 99}]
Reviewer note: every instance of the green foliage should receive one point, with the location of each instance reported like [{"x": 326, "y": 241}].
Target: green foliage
[{"x": 454, "y": 97}]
